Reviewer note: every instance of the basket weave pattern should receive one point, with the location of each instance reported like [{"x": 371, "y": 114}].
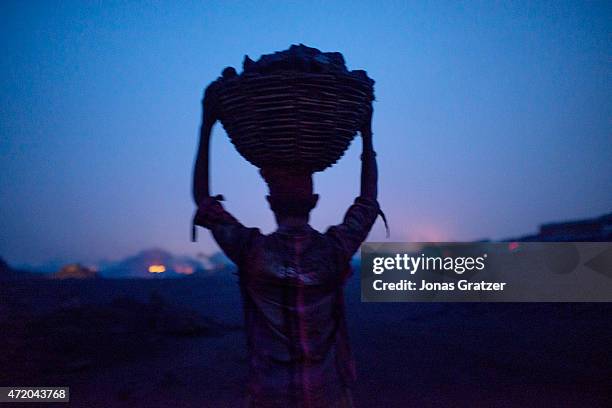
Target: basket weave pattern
[{"x": 296, "y": 119}]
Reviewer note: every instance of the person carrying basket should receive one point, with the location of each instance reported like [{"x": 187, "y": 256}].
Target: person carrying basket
[{"x": 292, "y": 283}]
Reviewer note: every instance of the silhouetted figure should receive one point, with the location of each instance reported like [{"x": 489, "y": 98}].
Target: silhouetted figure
[{"x": 292, "y": 287}]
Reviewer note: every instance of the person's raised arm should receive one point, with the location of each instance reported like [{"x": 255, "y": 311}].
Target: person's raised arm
[
  {"x": 360, "y": 217},
  {"x": 210, "y": 213},
  {"x": 369, "y": 169},
  {"x": 201, "y": 188}
]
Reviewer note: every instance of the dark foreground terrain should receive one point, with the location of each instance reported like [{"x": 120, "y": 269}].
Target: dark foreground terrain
[{"x": 179, "y": 343}]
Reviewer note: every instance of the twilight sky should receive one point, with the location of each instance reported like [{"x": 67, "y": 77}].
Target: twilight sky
[{"x": 491, "y": 117}]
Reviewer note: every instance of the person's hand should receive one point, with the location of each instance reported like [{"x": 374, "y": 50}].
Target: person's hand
[
  {"x": 208, "y": 113},
  {"x": 366, "y": 129},
  {"x": 366, "y": 132},
  {"x": 209, "y": 104}
]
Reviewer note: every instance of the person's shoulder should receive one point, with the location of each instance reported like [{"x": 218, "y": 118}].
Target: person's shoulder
[
  {"x": 330, "y": 236},
  {"x": 254, "y": 233}
]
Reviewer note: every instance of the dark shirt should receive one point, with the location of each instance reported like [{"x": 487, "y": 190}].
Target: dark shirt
[{"x": 292, "y": 289}]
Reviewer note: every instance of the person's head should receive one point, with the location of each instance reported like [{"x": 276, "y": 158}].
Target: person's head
[{"x": 291, "y": 195}]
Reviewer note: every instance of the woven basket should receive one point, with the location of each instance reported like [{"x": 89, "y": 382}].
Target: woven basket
[{"x": 295, "y": 119}]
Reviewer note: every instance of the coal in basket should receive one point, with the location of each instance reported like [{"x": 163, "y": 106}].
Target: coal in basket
[{"x": 298, "y": 108}]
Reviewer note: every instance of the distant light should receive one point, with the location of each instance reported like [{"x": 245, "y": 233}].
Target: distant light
[
  {"x": 157, "y": 268},
  {"x": 183, "y": 269},
  {"x": 513, "y": 246}
]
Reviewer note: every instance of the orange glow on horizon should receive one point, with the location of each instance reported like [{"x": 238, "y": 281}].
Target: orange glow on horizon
[
  {"x": 513, "y": 246},
  {"x": 184, "y": 269},
  {"x": 157, "y": 268}
]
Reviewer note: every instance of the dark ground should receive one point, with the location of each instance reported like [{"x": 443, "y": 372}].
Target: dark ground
[{"x": 136, "y": 352}]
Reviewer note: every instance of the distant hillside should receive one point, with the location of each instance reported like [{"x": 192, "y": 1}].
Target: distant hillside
[
  {"x": 158, "y": 263},
  {"x": 153, "y": 263},
  {"x": 598, "y": 229},
  {"x": 75, "y": 271},
  {"x": 8, "y": 273}
]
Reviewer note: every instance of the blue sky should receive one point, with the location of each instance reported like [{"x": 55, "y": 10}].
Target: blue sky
[{"x": 490, "y": 118}]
